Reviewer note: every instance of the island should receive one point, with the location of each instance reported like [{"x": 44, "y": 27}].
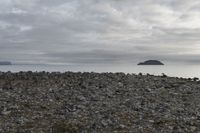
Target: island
[
  {"x": 5, "y": 63},
  {"x": 151, "y": 62}
]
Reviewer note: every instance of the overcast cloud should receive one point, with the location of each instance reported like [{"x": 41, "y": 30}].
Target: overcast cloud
[{"x": 99, "y": 31}]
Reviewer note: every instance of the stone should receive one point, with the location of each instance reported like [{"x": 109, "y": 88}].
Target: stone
[{"x": 97, "y": 102}]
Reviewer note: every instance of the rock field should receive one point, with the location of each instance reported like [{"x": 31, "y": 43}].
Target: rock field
[{"x": 43, "y": 102}]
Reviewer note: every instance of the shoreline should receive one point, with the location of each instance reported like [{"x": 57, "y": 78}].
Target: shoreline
[
  {"x": 191, "y": 78},
  {"x": 188, "y": 71},
  {"x": 98, "y": 102}
]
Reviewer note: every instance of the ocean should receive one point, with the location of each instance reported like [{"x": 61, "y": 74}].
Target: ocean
[{"x": 185, "y": 71}]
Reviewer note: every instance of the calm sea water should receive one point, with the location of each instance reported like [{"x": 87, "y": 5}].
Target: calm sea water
[{"x": 170, "y": 70}]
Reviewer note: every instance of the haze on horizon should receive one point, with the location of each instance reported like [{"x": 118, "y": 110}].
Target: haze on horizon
[{"x": 99, "y": 31}]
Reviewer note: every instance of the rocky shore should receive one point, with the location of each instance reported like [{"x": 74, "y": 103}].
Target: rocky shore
[{"x": 98, "y": 103}]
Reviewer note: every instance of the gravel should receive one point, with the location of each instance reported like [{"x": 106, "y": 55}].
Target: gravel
[{"x": 42, "y": 102}]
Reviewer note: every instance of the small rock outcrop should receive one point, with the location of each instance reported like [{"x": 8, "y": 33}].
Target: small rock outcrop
[{"x": 151, "y": 62}]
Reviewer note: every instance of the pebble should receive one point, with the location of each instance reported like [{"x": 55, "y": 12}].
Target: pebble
[{"x": 98, "y": 102}]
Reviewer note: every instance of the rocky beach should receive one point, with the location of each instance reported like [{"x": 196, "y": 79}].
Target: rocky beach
[{"x": 43, "y": 102}]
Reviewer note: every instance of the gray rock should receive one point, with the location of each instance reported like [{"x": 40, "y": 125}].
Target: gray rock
[{"x": 97, "y": 102}]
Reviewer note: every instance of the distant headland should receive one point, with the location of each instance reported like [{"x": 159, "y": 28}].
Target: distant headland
[
  {"x": 5, "y": 63},
  {"x": 151, "y": 62}
]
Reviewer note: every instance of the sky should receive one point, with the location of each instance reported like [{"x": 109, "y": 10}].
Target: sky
[{"x": 99, "y": 31}]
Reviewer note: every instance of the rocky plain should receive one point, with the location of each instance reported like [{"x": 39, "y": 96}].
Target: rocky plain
[{"x": 43, "y": 102}]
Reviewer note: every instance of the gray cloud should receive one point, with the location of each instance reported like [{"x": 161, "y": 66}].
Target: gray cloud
[{"x": 99, "y": 31}]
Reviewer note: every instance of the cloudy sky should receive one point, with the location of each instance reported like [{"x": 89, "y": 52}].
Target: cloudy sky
[{"x": 99, "y": 31}]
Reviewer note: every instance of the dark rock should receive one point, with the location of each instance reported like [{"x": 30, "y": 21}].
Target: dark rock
[
  {"x": 151, "y": 62},
  {"x": 195, "y": 79},
  {"x": 164, "y": 75}
]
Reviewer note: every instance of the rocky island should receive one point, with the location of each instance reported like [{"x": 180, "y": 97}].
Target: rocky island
[
  {"x": 43, "y": 102},
  {"x": 151, "y": 62},
  {"x": 5, "y": 63}
]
